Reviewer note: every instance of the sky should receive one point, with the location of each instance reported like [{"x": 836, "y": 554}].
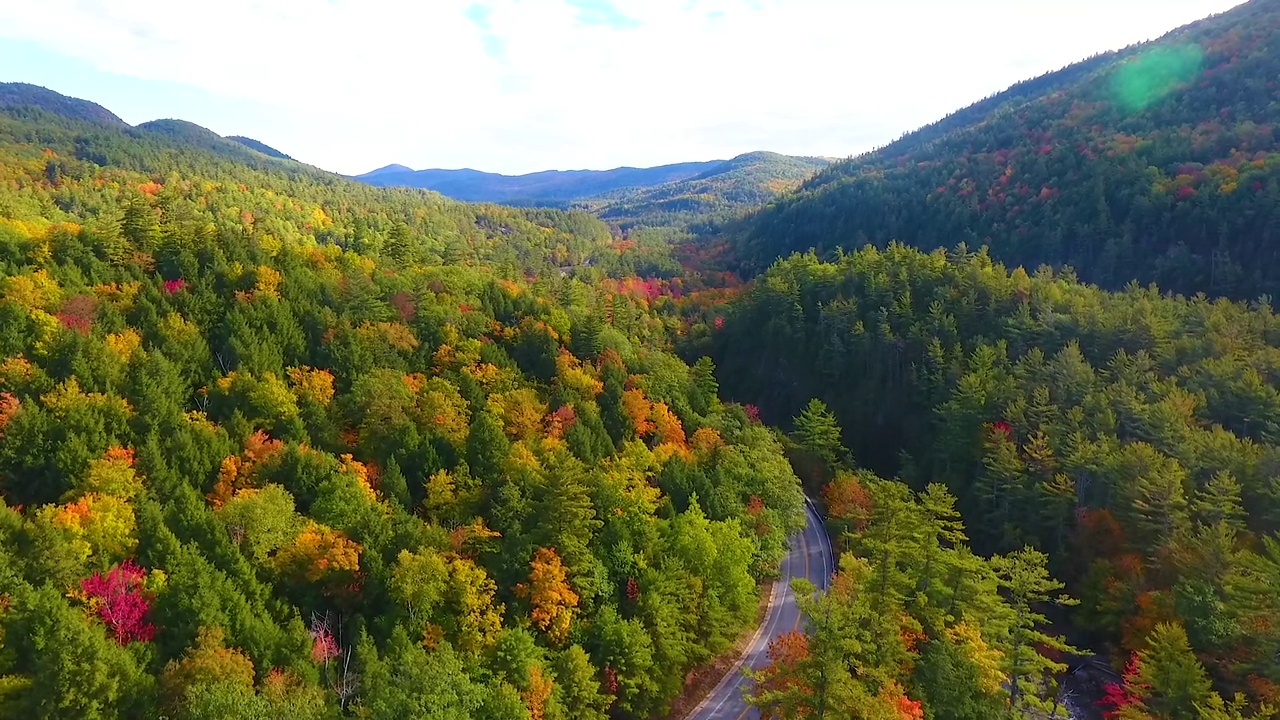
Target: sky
[{"x": 517, "y": 86}]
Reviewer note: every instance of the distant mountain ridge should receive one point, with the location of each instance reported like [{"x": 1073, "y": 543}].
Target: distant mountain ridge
[
  {"x": 547, "y": 186},
  {"x": 676, "y": 194},
  {"x": 16, "y": 96}
]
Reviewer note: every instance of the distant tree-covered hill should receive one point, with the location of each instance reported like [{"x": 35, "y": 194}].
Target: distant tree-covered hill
[
  {"x": 22, "y": 95},
  {"x": 718, "y": 193},
  {"x": 546, "y": 187},
  {"x": 625, "y": 194},
  {"x": 1160, "y": 162},
  {"x": 21, "y": 100}
]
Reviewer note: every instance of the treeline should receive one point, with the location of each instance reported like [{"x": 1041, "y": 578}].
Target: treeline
[
  {"x": 1159, "y": 164},
  {"x": 1131, "y": 437},
  {"x": 275, "y": 444}
]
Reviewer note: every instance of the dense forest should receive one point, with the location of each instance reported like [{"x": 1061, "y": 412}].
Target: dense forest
[
  {"x": 1158, "y": 163},
  {"x": 1131, "y": 440},
  {"x": 278, "y": 444}
]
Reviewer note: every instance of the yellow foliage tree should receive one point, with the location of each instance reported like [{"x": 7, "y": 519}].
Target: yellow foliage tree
[
  {"x": 572, "y": 377},
  {"x": 124, "y": 344},
  {"x": 548, "y": 591},
  {"x": 638, "y": 409},
  {"x": 985, "y": 658},
  {"x": 538, "y": 692},
  {"x": 101, "y": 526},
  {"x": 320, "y": 553},
  {"x": 208, "y": 661},
  {"x": 34, "y": 291},
  {"x": 521, "y": 412},
  {"x": 667, "y": 426},
  {"x": 266, "y": 282},
  {"x": 476, "y": 620},
  {"x": 311, "y": 384},
  {"x": 113, "y": 474}
]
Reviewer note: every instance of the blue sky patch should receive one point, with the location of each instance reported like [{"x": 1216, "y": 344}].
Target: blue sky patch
[{"x": 602, "y": 12}]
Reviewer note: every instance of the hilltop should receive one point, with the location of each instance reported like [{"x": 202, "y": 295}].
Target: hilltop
[
  {"x": 21, "y": 99},
  {"x": 22, "y": 95},
  {"x": 1156, "y": 163}
]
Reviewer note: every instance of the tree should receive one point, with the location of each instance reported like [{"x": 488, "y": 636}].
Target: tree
[
  {"x": 208, "y": 662},
  {"x": 552, "y": 599},
  {"x": 474, "y": 618},
  {"x": 781, "y": 689},
  {"x": 261, "y": 520},
  {"x": 959, "y": 676},
  {"x": 1167, "y": 679},
  {"x": 706, "y": 389},
  {"x": 418, "y": 582},
  {"x": 412, "y": 682},
  {"x": 818, "y": 432},
  {"x": 577, "y": 685},
  {"x": 121, "y": 602},
  {"x": 487, "y": 447},
  {"x": 76, "y": 671},
  {"x": 1024, "y": 576},
  {"x": 320, "y": 554},
  {"x": 394, "y": 486},
  {"x": 1220, "y": 502}
]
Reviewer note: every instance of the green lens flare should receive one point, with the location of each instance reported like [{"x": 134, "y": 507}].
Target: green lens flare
[{"x": 1152, "y": 75}]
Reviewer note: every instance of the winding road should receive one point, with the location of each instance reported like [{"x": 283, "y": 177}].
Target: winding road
[{"x": 810, "y": 557}]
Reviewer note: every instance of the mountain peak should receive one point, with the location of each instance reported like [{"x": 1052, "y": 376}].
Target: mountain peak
[
  {"x": 386, "y": 170},
  {"x": 13, "y": 95}
]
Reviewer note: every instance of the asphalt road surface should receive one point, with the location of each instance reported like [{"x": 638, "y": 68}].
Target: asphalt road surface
[{"x": 810, "y": 557}]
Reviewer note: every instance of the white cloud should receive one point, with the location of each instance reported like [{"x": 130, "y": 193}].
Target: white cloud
[{"x": 585, "y": 83}]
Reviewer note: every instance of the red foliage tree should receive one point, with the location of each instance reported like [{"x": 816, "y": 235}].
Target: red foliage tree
[
  {"x": 121, "y": 602},
  {"x": 1117, "y": 696},
  {"x": 77, "y": 313}
]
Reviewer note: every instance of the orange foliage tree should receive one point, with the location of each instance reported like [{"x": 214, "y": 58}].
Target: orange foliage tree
[
  {"x": 549, "y": 593},
  {"x": 781, "y": 688},
  {"x": 237, "y": 470},
  {"x": 320, "y": 554},
  {"x": 637, "y": 407}
]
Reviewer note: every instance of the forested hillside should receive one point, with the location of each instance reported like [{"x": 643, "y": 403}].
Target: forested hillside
[
  {"x": 717, "y": 195},
  {"x": 1133, "y": 438},
  {"x": 1158, "y": 163},
  {"x": 276, "y": 444}
]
